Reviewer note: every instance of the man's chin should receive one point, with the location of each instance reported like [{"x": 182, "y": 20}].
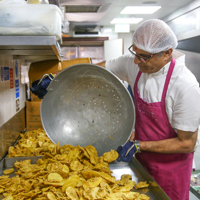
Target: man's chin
[{"x": 142, "y": 68}]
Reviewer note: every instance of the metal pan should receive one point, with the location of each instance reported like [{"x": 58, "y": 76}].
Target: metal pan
[
  {"x": 88, "y": 105},
  {"x": 134, "y": 168}
]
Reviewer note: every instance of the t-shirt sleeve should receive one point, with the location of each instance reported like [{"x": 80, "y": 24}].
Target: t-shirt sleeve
[
  {"x": 186, "y": 115},
  {"x": 120, "y": 66}
]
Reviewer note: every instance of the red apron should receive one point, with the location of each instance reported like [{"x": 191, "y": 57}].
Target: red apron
[{"x": 171, "y": 171}]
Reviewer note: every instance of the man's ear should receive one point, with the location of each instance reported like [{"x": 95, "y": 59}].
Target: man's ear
[{"x": 168, "y": 54}]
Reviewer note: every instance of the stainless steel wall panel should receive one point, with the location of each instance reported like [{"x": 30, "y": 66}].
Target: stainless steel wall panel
[
  {"x": 191, "y": 44},
  {"x": 10, "y": 131},
  {"x": 192, "y": 61},
  {"x": 12, "y": 98}
]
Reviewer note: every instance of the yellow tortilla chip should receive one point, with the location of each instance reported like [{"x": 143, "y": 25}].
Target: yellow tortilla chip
[
  {"x": 110, "y": 156},
  {"x": 141, "y": 185},
  {"x": 51, "y": 196},
  {"x": 55, "y": 177},
  {"x": 8, "y": 171},
  {"x": 71, "y": 193},
  {"x": 90, "y": 174}
]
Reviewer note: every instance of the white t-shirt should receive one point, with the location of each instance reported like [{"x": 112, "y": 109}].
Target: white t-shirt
[{"x": 183, "y": 94}]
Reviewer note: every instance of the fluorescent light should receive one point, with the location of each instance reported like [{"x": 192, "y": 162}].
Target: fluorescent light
[
  {"x": 122, "y": 28},
  {"x": 140, "y": 9},
  {"x": 126, "y": 20}
]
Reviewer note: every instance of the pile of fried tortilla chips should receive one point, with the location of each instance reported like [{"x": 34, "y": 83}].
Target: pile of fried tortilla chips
[
  {"x": 72, "y": 173},
  {"x": 67, "y": 172},
  {"x": 32, "y": 143}
]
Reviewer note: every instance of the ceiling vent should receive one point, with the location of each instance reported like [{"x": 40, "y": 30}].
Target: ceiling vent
[
  {"x": 86, "y": 34},
  {"x": 80, "y": 27},
  {"x": 82, "y": 8}
]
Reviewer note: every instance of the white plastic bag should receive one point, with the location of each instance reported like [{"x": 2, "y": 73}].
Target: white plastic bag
[
  {"x": 15, "y": 2},
  {"x": 65, "y": 26}
]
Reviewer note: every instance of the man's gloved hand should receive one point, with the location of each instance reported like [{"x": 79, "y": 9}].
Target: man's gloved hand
[
  {"x": 39, "y": 87},
  {"x": 126, "y": 152}
]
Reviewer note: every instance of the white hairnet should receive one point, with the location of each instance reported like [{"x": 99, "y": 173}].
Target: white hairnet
[{"x": 154, "y": 36}]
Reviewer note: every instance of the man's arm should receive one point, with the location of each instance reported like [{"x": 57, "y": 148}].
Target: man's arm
[
  {"x": 183, "y": 143},
  {"x": 102, "y": 64}
]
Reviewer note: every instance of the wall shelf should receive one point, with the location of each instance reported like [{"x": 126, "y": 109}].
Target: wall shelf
[{"x": 30, "y": 48}]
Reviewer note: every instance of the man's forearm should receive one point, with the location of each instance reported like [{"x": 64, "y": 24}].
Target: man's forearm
[
  {"x": 102, "y": 64},
  {"x": 171, "y": 145}
]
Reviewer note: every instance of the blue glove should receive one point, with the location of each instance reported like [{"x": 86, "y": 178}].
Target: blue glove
[
  {"x": 39, "y": 87},
  {"x": 123, "y": 150}
]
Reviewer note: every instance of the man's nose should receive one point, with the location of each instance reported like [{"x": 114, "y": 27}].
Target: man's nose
[{"x": 137, "y": 60}]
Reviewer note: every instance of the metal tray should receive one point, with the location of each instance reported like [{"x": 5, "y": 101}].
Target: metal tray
[
  {"x": 133, "y": 168},
  {"x": 88, "y": 105}
]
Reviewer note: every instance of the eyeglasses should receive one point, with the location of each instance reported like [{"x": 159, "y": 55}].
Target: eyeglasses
[{"x": 144, "y": 60}]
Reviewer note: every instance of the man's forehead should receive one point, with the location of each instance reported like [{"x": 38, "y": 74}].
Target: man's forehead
[{"x": 139, "y": 51}]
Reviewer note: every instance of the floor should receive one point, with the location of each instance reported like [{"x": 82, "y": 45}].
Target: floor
[{"x": 197, "y": 164}]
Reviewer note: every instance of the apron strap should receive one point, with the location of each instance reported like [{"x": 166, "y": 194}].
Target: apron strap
[
  {"x": 136, "y": 81},
  {"x": 171, "y": 68}
]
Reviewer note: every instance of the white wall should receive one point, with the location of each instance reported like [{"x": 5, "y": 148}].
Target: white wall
[
  {"x": 113, "y": 48},
  {"x": 128, "y": 38}
]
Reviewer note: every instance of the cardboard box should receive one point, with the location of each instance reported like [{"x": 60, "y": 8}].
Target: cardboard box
[
  {"x": 67, "y": 63},
  {"x": 38, "y": 69},
  {"x": 33, "y": 120}
]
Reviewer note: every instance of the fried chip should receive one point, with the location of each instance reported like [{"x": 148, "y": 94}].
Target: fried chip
[
  {"x": 81, "y": 182},
  {"x": 109, "y": 178},
  {"x": 129, "y": 185},
  {"x": 91, "y": 193},
  {"x": 71, "y": 193},
  {"x": 94, "y": 159},
  {"x": 8, "y": 197},
  {"x": 64, "y": 172},
  {"x": 71, "y": 182},
  {"x": 141, "y": 185},
  {"x": 93, "y": 182},
  {"x": 84, "y": 152},
  {"x": 142, "y": 197},
  {"x": 110, "y": 156},
  {"x": 87, "y": 163},
  {"x": 55, "y": 166},
  {"x": 90, "y": 174},
  {"x": 124, "y": 180},
  {"x": 76, "y": 165},
  {"x": 55, "y": 177},
  {"x": 51, "y": 196},
  {"x": 1, "y": 190},
  {"x": 56, "y": 184},
  {"x": 103, "y": 168},
  {"x": 8, "y": 171}
]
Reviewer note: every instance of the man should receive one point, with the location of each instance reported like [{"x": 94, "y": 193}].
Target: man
[{"x": 166, "y": 98}]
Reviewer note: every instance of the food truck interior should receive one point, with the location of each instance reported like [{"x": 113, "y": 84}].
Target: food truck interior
[{"x": 39, "y": 37}]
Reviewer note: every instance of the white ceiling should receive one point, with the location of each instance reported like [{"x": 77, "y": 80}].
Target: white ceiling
[{"x": 111, "y": 9}]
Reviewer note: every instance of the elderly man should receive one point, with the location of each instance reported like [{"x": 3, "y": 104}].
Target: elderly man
[{"x": 166, "y": 98}]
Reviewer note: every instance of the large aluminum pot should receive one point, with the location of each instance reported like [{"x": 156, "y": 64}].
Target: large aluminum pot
[{"x": 88, "y": 105}]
